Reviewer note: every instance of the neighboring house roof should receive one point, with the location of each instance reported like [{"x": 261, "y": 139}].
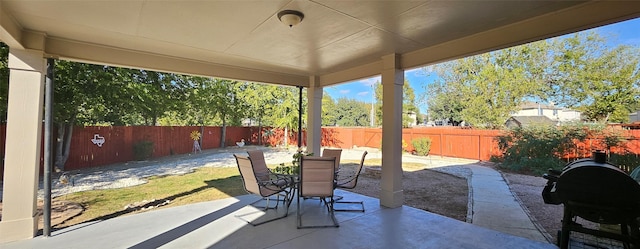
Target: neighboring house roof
[
  {"x": 525, "y": 121},
  {"x": 533, "y": 105}
]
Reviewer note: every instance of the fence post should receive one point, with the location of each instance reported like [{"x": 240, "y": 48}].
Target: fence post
[
  {"x": 479, "y": 147},
  {"x": 441, "y": 142}
]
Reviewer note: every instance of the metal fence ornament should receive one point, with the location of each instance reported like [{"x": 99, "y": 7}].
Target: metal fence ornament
[{"x": 195, "y": 136}]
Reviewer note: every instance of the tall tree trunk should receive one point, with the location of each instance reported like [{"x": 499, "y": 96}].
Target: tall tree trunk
[
  {"x": 286, "y": 137},
  {"x": 223, "y": 134},
  {"x": 201, "y": 133},
  {"x": 63, "y": 144}
]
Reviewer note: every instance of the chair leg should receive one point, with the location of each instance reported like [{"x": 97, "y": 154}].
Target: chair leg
[
  {"x": 268, "y": 199},
  {"x": 349, "y": 210},
  {"x": 333, "y": 215},
  {"x": 286, "y": 211},
  {"x": 328, "y": 205},
  {"x": 338, "y": 200}
]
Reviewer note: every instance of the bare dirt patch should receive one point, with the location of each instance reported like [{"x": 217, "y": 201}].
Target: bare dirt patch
[
  {"x": 61, "y": 211},
  {"x": 426, "y": 189}
]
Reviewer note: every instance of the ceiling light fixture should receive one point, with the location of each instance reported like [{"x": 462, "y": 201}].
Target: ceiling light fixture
[{"x": 290, "y": 17}]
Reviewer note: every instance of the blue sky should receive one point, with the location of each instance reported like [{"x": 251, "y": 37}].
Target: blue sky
[{"x": 627, "y": 32}]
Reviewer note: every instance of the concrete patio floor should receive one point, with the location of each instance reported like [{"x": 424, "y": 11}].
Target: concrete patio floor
[{"x": 218, "y": 224}]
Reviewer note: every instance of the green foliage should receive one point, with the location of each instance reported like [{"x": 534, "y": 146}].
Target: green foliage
[
  {"x": 600, "y": 81},
  {"x": 294, "y": 168},
  {"x": 261, "y": 102},
  {"x": 285, "y": 108},
  {"x": 579, "y": 72},
  {"x": 483, "y": 90},
  {"x": 142, "y": 150},
  {"x": 628, "y": 161},
  {"x": 535, "y": 149},
  {"x": 328, "y": 110},
  {"x": 422, "y": 146},
  {"x": 408, "y": 102},
  {"x": 351, "y": 112}
]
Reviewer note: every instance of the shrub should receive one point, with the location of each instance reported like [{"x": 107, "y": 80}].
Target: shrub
[
  {"x": 535, "y": 149},
  {"x": 142, "y": 150},
  {"x": 626, "y": 161},
  {"x": 422, "y": 146}
]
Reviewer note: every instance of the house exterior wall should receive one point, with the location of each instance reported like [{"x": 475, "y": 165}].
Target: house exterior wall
[
  {"x": 555, "y": 114},
  {"x": 634, "y": 117}
]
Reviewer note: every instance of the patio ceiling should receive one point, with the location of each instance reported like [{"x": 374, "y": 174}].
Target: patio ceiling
[{"x": 337, "y": 41}]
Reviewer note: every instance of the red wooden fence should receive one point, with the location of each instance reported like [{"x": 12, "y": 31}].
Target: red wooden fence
[
  {"x": 461, "y": 143},
  {"x": 169, "y": 140},
  {"x": 447, "y": 141}
]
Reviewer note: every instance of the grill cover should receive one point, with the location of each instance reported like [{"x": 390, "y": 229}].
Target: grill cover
[{"x": 598, "y": 192}]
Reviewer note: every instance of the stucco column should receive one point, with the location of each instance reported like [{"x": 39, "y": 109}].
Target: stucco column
[
  {"x": 314, "y": 115},
  {"x": 22, "y": 153},
  {"x": 391, "y": 194}
]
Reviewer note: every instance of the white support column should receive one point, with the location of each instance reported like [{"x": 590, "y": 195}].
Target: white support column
[
  {"x": 22, "y": 153},
  {"x": 314, "y": 115},
  {"x": 391, "y": 194}
]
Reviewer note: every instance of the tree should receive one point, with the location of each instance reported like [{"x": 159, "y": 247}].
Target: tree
[
  {"x": 408, "y": 102},
  {"x": 408, "y": 105},
  {"x": 285, "y": 112},
  {"x": 83, "y": 94},
  {"x": 195, "y": 95},
  {"x": 484, "y": 89},
  {"x": 328, "y": 110},
  {"x": 154, "y": 93},
  {"x": 350, "y": 112},
  {"x": 578, "y": 72},
  {"x": 602, "y": 82},
  {"x": 228, "y": 104},
  {"x": 260, "y": 101},
  {"x": 444, "y": 102}
]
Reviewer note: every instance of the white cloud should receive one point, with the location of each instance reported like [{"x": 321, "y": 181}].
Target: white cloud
[
  {"x": 363, "y": 93},
  {"x": 345, "y": 91}
]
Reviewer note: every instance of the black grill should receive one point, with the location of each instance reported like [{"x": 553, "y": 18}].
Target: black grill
[{"x": 597, "y": 191}]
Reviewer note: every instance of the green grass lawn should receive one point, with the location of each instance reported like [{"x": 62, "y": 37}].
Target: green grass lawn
[{"x": 205, "y": 184}]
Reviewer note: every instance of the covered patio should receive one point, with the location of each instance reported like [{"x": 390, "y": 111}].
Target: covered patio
[
  {"x": 215, "y": 225},
  {"x": 336, "y": 42}
]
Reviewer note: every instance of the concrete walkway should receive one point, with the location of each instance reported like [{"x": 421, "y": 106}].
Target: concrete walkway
[{"x": 494, "y": 206}]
